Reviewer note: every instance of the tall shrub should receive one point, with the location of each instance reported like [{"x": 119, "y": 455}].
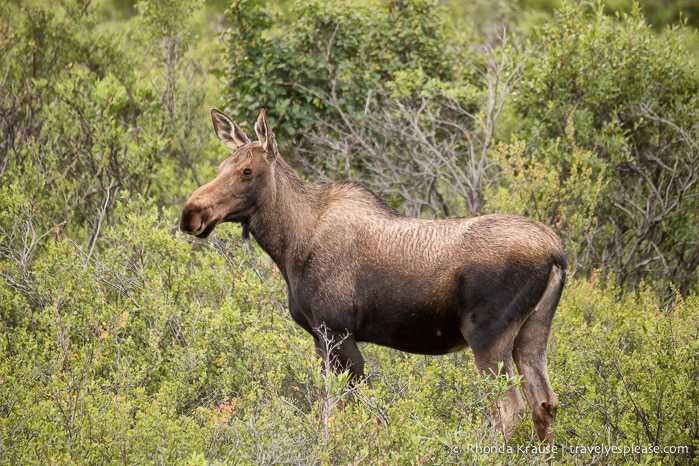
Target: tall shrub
[{"x": 612, "y": 87}]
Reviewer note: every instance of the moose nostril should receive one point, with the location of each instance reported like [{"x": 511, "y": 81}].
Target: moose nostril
[
  {"x": 203, "y": 220},
  {"x": 191, "y": 222},
  {"x": 196, "y": 218}
]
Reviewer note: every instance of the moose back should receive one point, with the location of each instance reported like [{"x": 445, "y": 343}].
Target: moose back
[{"x": 357, "y": 270}]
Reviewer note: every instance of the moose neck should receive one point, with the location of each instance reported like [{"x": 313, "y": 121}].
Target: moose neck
[{"x": 283, "y": 223}]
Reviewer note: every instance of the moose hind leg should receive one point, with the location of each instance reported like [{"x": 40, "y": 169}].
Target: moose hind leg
[
  {"x": 530, "y": 357},
  {"x": 488, "y": 359},
  {"x": 529, "y": 352}
]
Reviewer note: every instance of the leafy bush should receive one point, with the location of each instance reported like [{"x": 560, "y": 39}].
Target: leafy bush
[
  {"x": 626, "y": 371},
  {"x": 611, "y": 87},
  {"x": 332, "y": 61},
  {"x": 537, "y": 190},
  {"x": 158, "y": 349}
]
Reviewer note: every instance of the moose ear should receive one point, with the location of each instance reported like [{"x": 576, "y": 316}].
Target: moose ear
[
  {"x": 265, "y": 135},
  {"x": 227, "y": 131}
]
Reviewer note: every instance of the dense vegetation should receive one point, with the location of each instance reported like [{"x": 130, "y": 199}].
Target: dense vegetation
[{"x": 123, "y": 341}]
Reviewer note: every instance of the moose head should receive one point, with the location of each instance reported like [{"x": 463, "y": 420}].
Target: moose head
[{"x": 242, "y": 181}]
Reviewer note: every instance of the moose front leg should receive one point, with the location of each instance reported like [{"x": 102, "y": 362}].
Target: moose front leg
[{"x": 338, "y": 352}]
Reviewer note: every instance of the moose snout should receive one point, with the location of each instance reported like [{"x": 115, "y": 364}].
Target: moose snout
[{"x": 194, "y": 220}]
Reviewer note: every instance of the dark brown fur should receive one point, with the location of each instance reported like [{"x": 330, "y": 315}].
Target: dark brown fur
[{"x": 356, "y": 267}]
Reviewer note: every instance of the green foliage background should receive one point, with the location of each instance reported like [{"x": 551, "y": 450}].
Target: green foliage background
[{"x": 124, "y": 342}]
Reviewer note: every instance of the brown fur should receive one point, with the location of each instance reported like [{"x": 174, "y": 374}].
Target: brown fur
[{"x": 353, "y": 265}]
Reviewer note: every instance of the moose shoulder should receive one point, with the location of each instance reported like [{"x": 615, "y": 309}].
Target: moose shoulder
[{"x": 359, "y": 270}]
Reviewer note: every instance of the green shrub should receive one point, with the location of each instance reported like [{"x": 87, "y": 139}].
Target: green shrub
[
  {"x": 157, "y": 349},
  {"x": 536, "y": 189},
  {"x": 613, "y": 89},
  {"x": 626, "y": 372},
  {"x": 332, "y": 61}
]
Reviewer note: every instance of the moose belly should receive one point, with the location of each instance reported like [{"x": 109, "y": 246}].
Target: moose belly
[
  {"x": 414, "y": 330},
  {"x": 408, "y": 311}
]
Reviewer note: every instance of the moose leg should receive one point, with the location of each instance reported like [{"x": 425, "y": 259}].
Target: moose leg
[
  {"x": 529, "y": 352},
  {"x": 530, "y": 356},
  {"x": 488, "y": 359},
  {"x": 339, "y": 352},
  {"x": 510, "y": 408}
]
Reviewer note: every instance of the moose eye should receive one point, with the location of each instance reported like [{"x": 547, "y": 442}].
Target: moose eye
[{"x": 247, "y": 172}]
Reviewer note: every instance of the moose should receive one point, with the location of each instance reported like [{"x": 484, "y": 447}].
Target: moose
[{"x": 359, "y": 271}]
